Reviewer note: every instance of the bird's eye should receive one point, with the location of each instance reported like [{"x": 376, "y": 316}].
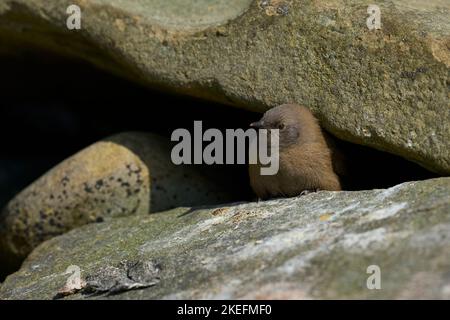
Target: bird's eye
[{"x": 281, "y": 126}]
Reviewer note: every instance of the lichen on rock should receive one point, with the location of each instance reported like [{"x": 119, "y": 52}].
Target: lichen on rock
[{"x": 314, "y": 246}]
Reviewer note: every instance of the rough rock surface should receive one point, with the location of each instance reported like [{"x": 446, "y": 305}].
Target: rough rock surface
[
  {"x": 315, "y": 246},
  {"x": 388, "y": 89},
  {"x": 127, "y": 174}
]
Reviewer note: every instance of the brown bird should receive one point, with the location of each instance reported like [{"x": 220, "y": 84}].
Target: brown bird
[{"x": 306, "y": 155}]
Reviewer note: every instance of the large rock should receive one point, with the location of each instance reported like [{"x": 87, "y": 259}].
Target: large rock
[
  {"x": 315, "y": 246},
  {"x": 387, "y": 89},
  {"x": 127, "y": 174}
]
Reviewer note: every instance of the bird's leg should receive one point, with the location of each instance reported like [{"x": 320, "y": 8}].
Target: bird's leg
[{"x": 305, "y": 192}]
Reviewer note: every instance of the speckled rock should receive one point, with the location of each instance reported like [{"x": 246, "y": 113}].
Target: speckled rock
[
  {"x": 127, "y": 174},
  {"x": 388, "y": 89},
  {"x": 316, "y": 246}
]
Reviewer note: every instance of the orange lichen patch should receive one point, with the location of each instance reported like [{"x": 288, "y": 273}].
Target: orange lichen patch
[
  {"x": 325, "y": 217},
  {"x": 441, "y": 50},
  {"x": 243, "y": 214},
  {"x": 219, "y": 211},
  {"x": 120, "y": 24}
]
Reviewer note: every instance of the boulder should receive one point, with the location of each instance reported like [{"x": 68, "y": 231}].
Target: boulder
[
  {"x": 127, "y": 174},
  {"x": 391, "y": 243},
  {"x": 385, "y": 88}
]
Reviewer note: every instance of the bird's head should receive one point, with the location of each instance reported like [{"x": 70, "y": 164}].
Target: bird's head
[{"x": 293, "y": 121}]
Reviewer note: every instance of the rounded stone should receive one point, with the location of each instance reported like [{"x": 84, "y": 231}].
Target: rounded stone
[{"x": 126, "y": 174}]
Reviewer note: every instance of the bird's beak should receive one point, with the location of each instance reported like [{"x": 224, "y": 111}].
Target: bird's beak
[{"x": 257, "y": 125}]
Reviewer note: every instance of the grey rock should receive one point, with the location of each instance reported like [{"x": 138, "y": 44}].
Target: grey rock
[{"x": 315, "y": 246}]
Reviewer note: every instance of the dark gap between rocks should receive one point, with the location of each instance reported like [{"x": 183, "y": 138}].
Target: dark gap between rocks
[{"x": 53, "y": 107}]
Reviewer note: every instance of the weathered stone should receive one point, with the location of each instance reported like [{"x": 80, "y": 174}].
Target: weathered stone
[
  {"x": 123, "y": 175},
  {"x": 315, "y": 246},
  {"x": 388, "y": 89},
  {"x": 128, "y": 275}
]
